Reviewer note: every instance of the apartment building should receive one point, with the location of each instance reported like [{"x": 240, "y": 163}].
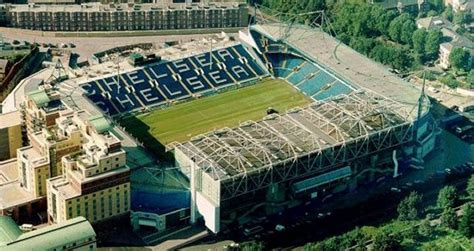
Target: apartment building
[
  {"x": 10, "y": 135},
  {"x": 41, "y": 109},
  {"x": 96, "y": 181},
  {"x": 125, "y": 17},
  {"x": 408, "y": 6},
  {"x": 23, "y": 190}
]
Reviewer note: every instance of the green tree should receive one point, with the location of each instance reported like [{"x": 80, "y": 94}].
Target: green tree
[
  {"x": 401, "y": 58},
  {"x": 407, "y": 30},
  {"x": 448, "y": 13},
  {"x": 362, "y": 44},
  {"x": 470, "y": 182},
  {"x": 410, "y": 233},
  {"x": 252, "y": 246},
  {"x": 395, "y": 28},
  {"x": 449, "y": 81},
  {"x": 460, "y": 59},
  {"x": 465, "y": 225},
  {"x": 437, "y": 5},
  {"x": 425, "y": 228},
  {"x": 449, "y": 218},
  {"x": 447, "y": 197},
  {"x": 383, "y": 23},
  {"x": 460, "y": 18},
  {"x": 470, "y": 82},
  {"x": 384, "y": 242},
  {"x": 419, "y": 41},
  {"x": 409, "y": 207},
  {"x": 433, "y": 40}
]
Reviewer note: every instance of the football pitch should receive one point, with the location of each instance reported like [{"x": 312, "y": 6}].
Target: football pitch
[{"x": 185, "y": 120}]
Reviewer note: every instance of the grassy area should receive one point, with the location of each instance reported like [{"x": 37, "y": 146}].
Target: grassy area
[{"x": 183, "y": 121}]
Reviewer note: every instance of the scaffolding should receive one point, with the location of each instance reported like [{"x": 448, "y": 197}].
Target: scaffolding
[{"x": 297, "y": 144}]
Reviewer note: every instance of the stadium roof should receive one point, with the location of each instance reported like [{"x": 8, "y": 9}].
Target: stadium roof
[
  {"x": 252, "y": 146},
  {"x": 343, "y": 61}
]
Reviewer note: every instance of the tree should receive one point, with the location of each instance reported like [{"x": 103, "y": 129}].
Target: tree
[
  {"x": 437, "y": 5},
  {"x": 395, "y": 27},
  {"x": 384, "y": 21},
  {"x": 425, "y": 228},
  {"x": 460, "y": 18},
  {"x": 465, "y": 225},
  {"x": 433, "y": 40},
  {"x": 401, "y": 58},
  {"x": 407, "y": 30},
  {"x": 470, "y": 182},
  {"x": 384, "y": 242},
  {"x": 362, "y": 44},
  {"x": 408, "y": 209},
  {"x": 460, "y": 59},
  {"x": 252, "y": 246},
  {"x": 447, "y": 197},
  {"x": 449, "y": 218},
  {"x": 449, "y": 81},
  {"x": 419, "y": 41},
  {"x": 448, "y": 13}
]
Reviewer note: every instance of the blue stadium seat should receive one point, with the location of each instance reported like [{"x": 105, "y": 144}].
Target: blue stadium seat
[
  {"x": 323, "y": 77},
  {"x": 155, "y": 84},
  {"x": 293, "y": 62},
  {"x": 336, "y": 89},
  {"x": 281, "y": 72},
  {"x": 311, "y": 86},
  {"x": 125, "y": 101},
  {"x": 103, "y": 104},
  {"x": 302, "y": 73}
]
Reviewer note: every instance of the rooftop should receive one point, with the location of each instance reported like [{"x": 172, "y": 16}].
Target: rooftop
[
  {"x": 253, "y": 146},
  {"x": 100, "y": 123},
  {"x": 344, "y": 62},
  {"x": 10, "y": 119},
  {"x": 392, "y": 4},
  {"x": 13, "y": 194},
  {"x": 8, "y": 171},
  {"x": 40, "y": 97},
  {"x": 95, "y": 7},
  {"x": 9, "y": 231},
  {"x": 56, "y": 235}
]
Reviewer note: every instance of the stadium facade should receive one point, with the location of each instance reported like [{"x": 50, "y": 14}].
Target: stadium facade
[{"x": 364, "y": 124}]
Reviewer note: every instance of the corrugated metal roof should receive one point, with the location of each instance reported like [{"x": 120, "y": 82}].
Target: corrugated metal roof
[
  {"x": 9, "y": 230},
  {"x": 39, "y": 97},
  {"x": 100, "y": 123},
  {"x": 56, "y": 235}
]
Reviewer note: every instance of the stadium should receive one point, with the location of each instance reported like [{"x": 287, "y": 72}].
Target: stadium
[{"x": 341, "y": 119}]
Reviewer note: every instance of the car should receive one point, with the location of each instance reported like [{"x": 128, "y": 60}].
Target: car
[
  {"x": 252, "y": 231},
  {"x": 279, "y": 228},
  {"x": 321, "y": 215},
  {"x": 328, "y": 213},
  {"x": 418, "y": 182},
  {"x": 395, "y": 189}
]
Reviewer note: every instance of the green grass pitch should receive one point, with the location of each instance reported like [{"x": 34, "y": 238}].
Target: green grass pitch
[{"x": 183, "y": 121}]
